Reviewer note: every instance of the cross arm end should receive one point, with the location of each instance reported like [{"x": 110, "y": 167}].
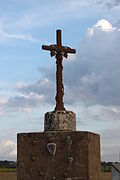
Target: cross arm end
[
  {"x": 48, "y": 48},
  {"x": 68, "y": 50}
]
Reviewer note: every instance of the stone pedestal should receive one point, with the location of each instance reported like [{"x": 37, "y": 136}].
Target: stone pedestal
[
  {"x": 60, "y": 121},
  {"x": 59, "y": 155}
]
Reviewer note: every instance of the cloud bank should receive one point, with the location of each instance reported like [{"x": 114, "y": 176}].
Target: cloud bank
[{"x": 92, "y": 76}]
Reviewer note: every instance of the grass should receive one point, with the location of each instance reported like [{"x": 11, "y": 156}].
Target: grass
[{"x": 2, "y": 169}]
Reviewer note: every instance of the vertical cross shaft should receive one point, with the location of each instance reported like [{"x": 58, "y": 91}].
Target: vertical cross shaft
[
  {"x": 59, "y": 51},
  {"x": 59, "y": 78}
]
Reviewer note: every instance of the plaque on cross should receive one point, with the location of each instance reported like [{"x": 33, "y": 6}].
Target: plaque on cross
[{"x": 59, "y": 52}]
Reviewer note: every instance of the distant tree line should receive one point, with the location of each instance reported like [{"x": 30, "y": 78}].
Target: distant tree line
[
  {"x": 106, "y": 166},
  {"x": 8, "y": 164}
]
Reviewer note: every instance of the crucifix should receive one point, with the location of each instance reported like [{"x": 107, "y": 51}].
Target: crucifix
[{"x": 59, "y": 52}]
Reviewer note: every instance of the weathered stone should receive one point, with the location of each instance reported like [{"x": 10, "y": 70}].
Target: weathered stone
[
  {"x": 69, "y": 141},
  {"x": 77, "y": 160},
  {"x": 60, "y": 121},
  {"x": 70, "y": 159}
]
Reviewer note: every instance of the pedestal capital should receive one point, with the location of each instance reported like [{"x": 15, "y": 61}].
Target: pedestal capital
[{"x": 60, "y": 121}]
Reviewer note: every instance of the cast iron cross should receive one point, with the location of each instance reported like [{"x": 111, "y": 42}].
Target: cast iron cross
[{"x": 59, "y": 52}]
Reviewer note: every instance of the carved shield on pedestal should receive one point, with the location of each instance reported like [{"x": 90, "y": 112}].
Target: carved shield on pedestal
[{"x": 51, "y": 148}]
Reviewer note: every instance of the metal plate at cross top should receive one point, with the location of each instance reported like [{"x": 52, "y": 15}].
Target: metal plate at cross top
[{"x": 59, "y": 52}]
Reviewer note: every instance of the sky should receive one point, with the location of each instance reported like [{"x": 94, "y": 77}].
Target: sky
[{"x": 91, "y": 76}]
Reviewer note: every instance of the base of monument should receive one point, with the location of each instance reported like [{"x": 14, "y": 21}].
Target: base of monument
[{"x": 58, "y": 156}]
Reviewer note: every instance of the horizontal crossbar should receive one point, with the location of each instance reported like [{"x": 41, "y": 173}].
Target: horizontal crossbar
[{"x": 59, "y": 49}]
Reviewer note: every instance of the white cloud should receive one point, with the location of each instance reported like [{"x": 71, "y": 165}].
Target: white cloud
[
  {"x": 24, "y": 102},
  {"x": 28, "y": 110},
  {"x": 102, "y": 24},
  {"x": 39, "y": 91},
  {"x": 110, "y": 4},
  {"x": 19, "y": 85},
  {"x": 8, "y": 143},
  {"x": 8, "y": 149},
  {"x": 13, "y": 154},
  {"x": 110, "y": 139},
  {"x": 71, "y": 57},
  {"x": 3, "y": 101},
  {"x": 26, "y": 37},
  {"x": 101, "y": 116}
]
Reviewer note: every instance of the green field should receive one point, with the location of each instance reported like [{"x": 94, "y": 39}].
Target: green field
[{"x": 8, "y": 169}]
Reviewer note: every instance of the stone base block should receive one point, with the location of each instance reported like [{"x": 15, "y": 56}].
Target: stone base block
[
  {"x": 58, "y": 156},
  {"x": 60, "y": 121}
]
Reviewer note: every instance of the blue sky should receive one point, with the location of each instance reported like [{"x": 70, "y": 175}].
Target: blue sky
[{"x": 91, "y": 77}]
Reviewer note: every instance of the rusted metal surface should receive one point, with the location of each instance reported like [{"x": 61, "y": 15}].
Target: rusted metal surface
[{"x": 59, "y": 52}]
